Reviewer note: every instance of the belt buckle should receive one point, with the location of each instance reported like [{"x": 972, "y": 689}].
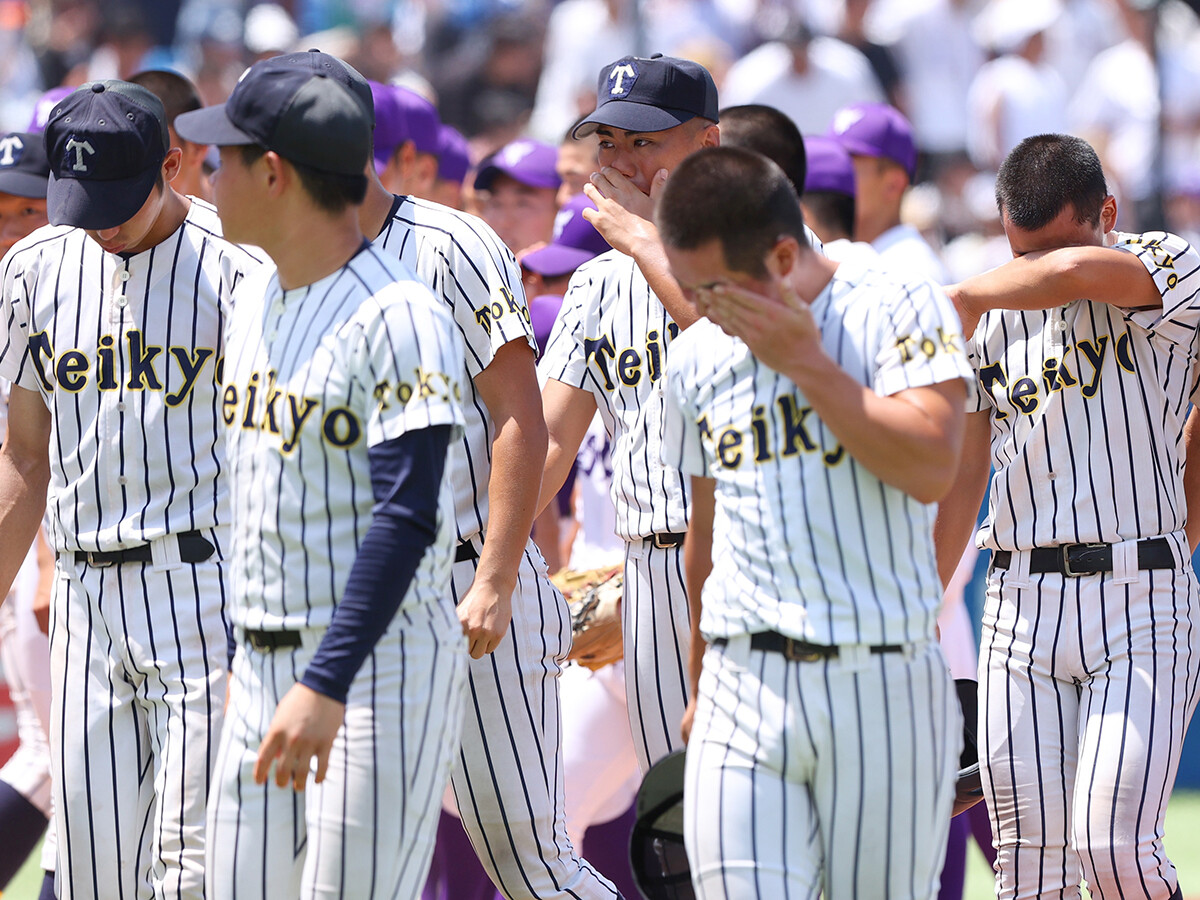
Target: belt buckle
[
  {"x": 96, "y": 560},
  {"x": 792, "y": 651},
  {"x": 1065, "y": 552},
  {"x": 657, "y": 542},
  {"x": 257, "y": 640}
]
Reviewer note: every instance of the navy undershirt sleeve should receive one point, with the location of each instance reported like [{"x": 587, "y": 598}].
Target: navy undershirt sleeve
[{"x": 406, "y": 475}]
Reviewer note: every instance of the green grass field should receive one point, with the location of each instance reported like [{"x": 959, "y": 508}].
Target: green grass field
[{"x": 1183, "y": 843}]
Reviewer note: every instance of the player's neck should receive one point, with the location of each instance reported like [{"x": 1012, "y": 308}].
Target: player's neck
[
  {"x": 376, "y": 207},
  {"x": 316, "y": 246},
  {"x": 811, "y": 275}
]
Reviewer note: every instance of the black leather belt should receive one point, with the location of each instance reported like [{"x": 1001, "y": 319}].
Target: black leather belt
[
  {"x": 665, "y": 539},
  {"x": 466, "y": 550},
  {"x": 802, "y": 651},
  {"x": 193, "y": 548},
  {"x": 1073, "y": 560},
  {"x": 266, "y": 641}
]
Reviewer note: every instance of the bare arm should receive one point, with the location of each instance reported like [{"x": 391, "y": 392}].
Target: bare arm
[
  {"x": 624, "y": 217},
  {"x": 509, "y": 389},
  {"x": 697, "y": 565},
  {"x": 569, "y": 411},
  {"x": 958, "y": 510},
  {"x": 24, "y": 478},
  {"x": 1191, "y": 477},
  {"x": 1056, "y": 278},
  {"x": 910, "y": 439}
]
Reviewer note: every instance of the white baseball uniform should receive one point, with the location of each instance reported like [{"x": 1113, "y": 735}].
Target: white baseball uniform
[
  {"x": 1087, "y": 683},
  {"x": 125, "y": 350},
  {"x": 611, "y": 339},
  {"x": 508, "y": 779},
  {"x": 314, "y": 377},
  {"x": 831, "y": 773}
]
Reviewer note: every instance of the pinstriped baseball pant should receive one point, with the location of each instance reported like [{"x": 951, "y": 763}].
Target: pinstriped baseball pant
[
  {"x": 137, "y": 663},
  {"x": 831, "y": 777},
  {"x": 367, "y": 830},
  {"x": 657, "y": 634},
  {"x": 508, "y": 778},
  {"x": 1086, "y": 690}
]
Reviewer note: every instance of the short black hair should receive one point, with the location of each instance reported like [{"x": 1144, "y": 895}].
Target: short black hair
[
  {"x": 769, "y": 132},
  {"x": 331, "y": 192},
  {"x": 178, "y": 95},
  {"x": 1047, "y": 173},
  {"x": 733, "y": 195},
  {"x": 832, "y": 209}
]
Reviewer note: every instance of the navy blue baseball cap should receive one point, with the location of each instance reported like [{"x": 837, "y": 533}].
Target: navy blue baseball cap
[
  {"x": 24, "y": 169},
  {"x": 653, "y": 94},
  {"x": 106, "y": 143},
  {"x": 305, "y": 116},
  {"x": 316, "y": 62}
]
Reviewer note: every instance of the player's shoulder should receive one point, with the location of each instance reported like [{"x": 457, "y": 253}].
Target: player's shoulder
[
  {"x": 440, "y": 223},
  {"x": 610, "y": 267},
  {"x": 1173, "y": 244},
  {"x": 203, "y": 222},
  {"x": 389, "y": 281},
  {"x": 45, "y": 245},
  {"x": 702, "y": 340}
]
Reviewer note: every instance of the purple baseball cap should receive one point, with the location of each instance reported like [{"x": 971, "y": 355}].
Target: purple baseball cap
[
  {"x": 45, "y": 103},
  {"x": 454, "y": 156},
  {"x": 830, "y": 167},
  {"x": 402, "y": 115},
  {"x": 876, "y": 129},
  {"x": 575, "y": 241},
  {"x": 530, "y": 162}
]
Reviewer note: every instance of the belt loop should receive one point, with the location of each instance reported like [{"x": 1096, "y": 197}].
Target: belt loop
[
  {"x": 164, "y": 553},
  {"x": 1017, "y": 575},
  {"x": 1125, "y": 562},
  {"x": 854, "y": 657}
]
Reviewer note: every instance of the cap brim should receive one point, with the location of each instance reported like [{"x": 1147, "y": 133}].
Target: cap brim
[
  {"x": 23, "y": 184},
  {"x": 554, "y": 260},
  {"x": 96, "y": 205},
  {"x": 210, "y": 125},
  {"x": 629, "y": 115},
  {"x": 486, "y": 175}
]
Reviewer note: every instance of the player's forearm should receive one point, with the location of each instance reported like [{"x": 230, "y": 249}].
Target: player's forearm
[
  {"x": 559, "y": 459},
  {"x": 910, "y": 441},
  {"x": 652, "y": 260},
  {"x": 568, "y": 413},
  {"x": 959, "y": 509},
  {"x": 1058, "y": 277},
  {"x": 697, "y": 566},
  {"x": 518, "y": 456},
  {"x": 1191, "y": 477},
  {"x": 23, "y": 485}
]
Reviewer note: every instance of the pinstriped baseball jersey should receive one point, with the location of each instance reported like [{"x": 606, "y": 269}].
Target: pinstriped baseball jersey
[
  {"x": 313, "y": 374},
  {"x": 465, "y": 265},
  {"x": 1087, "y": 404},
  {"x": 611, "y": 338},
  {"x": 129, "y": 365},
  {"x": 813, "y": 545}
]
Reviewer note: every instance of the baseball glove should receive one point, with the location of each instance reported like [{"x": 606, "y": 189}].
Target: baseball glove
[{"x": 594, "y": 597}]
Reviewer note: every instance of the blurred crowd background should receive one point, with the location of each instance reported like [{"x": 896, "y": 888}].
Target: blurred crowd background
[{"x": 974, "y": 76}]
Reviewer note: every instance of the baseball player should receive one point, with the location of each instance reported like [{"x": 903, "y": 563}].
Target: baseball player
[
  {"x": 820, "y": 417},
  {"x": 340, "y": 401},
  {"x": 25, "y": 804},
  {"x": 1084, "y": 354},
  {"x": 608, "y": 352},
  {"x": 114, "y": 318},
  {"x": 507, "y": 774}
]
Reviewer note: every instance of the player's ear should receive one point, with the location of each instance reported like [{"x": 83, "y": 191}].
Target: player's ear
[
  {"x": 172, "y": 164},
  {"x": 276, "y": 172},
  {"x": 1108, "y": 214},
  {"x": 783, "y": 256},
  {"x": 711, "y": 135}
]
